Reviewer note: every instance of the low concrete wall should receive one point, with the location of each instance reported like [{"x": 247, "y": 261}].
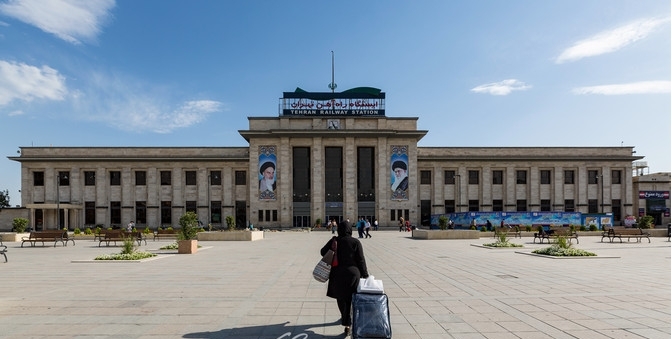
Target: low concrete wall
[
  {"x": 231, "y": 236},
  {"x": 446, "y": 234}
]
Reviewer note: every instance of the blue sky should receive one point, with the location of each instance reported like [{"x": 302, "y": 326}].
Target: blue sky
[{"x": 476, "y": 73}]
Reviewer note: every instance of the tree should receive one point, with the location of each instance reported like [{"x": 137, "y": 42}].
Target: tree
[{"x": 4, "y": 199}]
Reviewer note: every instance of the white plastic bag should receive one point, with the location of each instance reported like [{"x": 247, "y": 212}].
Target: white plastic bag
[{"x": 370, "y": 285}]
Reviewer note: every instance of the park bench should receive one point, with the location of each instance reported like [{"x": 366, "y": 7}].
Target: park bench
[
  {"x": 555, "y": 233},
  {"x": 509, "y": 230},
  {"x": 3, "y": 250},
  {"x": 112, "y": 236},
  {"x": 622, "y": 232},
  {"x": 49, "y": 235},
  {"x": 161, "y": 234}
]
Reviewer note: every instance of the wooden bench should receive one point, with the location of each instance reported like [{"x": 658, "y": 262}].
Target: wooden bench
[
  {"x": 108, "y": 236},
  {"x": 160, "y": 234},
  {"x": 508, "y": 230},
  {"x": 50, "y": 235},
  {"x": 555, "y": 233},
  {"x": 622, "y": 232},
  {"x": 3, "y": 250}
]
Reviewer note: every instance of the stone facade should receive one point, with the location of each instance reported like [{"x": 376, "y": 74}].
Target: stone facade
[{"x": 441, "y": 178}]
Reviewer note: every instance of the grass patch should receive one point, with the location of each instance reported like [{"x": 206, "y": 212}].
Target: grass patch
[
  {"x": 563, "y": 248},
  {"x": 502, "y": 241}
]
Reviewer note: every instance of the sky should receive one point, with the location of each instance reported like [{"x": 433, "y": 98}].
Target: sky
[{"x": 485, "y": 73}]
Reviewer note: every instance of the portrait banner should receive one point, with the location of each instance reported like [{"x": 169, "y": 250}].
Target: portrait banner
[
  {"x": 267, "y": 172},
  {"x": 399, "y": 172}
]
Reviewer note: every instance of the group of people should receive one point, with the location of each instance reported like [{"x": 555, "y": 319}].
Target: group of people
[
  {"x": 363, "y": 226},
  {"x": 404, "y": 225}
]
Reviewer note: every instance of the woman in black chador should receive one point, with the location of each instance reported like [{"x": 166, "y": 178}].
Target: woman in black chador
[{"x": 344, "y": 278}]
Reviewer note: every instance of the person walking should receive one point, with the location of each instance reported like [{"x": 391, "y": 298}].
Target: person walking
[
  {"x": 367, "y": 228},
  {"x": 401, "y": 224},
  {"x": 360, "y": 227},
  {"x": 344, "y": 277},
  {"x": 375, "y": 224}
]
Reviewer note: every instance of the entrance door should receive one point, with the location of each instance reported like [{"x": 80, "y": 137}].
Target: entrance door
[{"x": 241, "y": 214}]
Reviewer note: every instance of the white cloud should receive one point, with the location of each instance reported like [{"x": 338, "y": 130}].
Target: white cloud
[
  {"x": 19, "y": 81},
  {"x": 642, "y": 87},
  {"x": 70, "y": 20},
  {"x": 15, "y": 113},
  {"x": 610, "y": 41},
  {"x": 503, "y": 87}
]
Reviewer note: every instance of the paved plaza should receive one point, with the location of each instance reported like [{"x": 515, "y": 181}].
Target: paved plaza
[{"x": 264, "y": 289}]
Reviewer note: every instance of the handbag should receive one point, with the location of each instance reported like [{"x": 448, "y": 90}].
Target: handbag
[
  {"x": 370, "y": 285},
  {"x": 323, "y": 267}
]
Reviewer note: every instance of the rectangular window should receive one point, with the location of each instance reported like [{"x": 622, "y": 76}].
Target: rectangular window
[
  {"x": 593, "y": 177},
  {"x": 215, "y": 212},
  {"x": 497, "y": 205},
  {"x": 569, "y": 205},
  {"x": 616, "y": 210},
  {"x": 473, "y": 177},
  {"x": 140, "y": 178},
  {"x": 521, "y": 177},
  {"x": 165, "y": 178},
  {"x": 64, "y": 178},
  {"x": 615, "y": 177},
  {"x": 569, "y": 177},
  {"x": 89, "y": 178},
  {"x": 333, "y": 171},
  {"x": 38, "y": 178},
  {"x": 261, "y": 215},
  {"x": 545, "y": 205},
  {"x": 425, "y": 177},
  {"x": 140, "y": 212},
  {"x": 393, "y": 215},
  {"x": 473, "y": 206},
  {"x": 275, "y": 215},
  {"x": 449, "y": 177},
  {"x": 115, "y": 178},
  {"x": 166, "y": 213},
  {"x": 449, "y": 206},
  {"x": 366, "y": 174},
  {"x": 90, "y": 212},
  {"x": 545, "y": 177},
  {"x": 497, "y": 177},
  {"x": 191, "y": 206},
  {"x": 190, "y": 178},
  {"x": 592, "y": 206},
  {"x": 521, "y": 205},
  {"x": 241, "y": 178},
  {"x": 115, "y": 213},
  {"x": 215, "y": 178},
  {"x": 268, "y": 215}
]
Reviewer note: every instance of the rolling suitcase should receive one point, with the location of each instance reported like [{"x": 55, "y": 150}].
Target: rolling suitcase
[{"x": 370, "y": 316}]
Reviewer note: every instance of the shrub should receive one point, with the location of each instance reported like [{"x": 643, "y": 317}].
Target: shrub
[
  {"x": 19, "y": 225},
  {"x": 645, "y": 222},
  {"x": 582, "y": 228},
  {"x": 88, "y": 231},
  {"x": 188, "y": 226},
  {"x": 592, "y": 227},
  {"x": 76, "y": 231},
  {"x": 230, "y": 223},
  {"x": 443, "y": 222}
]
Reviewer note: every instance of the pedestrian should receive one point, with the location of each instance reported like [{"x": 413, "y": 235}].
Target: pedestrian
[
  {"x": 129, "y": 227},
  {"x": 367, "y": 227},
  {"x": 473, "y": 223},
  {"x": 408, "y": 225},
  {"x": 334, "y": 226},
  {"x": 375, "y": 224},
  {"x": 401, "y": 224},
  {"x": 344, "y": 278},
  {"x": 488, "y": 225},
  {"x": 360, "y": 227}
]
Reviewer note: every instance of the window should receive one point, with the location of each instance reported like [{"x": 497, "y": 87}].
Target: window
[
  {"x": 166, "y": 212},
  {"x": 191, "y": 206},
  {"x": 140, "y": 212},
  {"x": 449, "y": 177},
  {"x": 449, "y": 206},
  {"x": 473, "y": 177},
  {"x": 165, "y": 178},
  {"x": 241, "y": 177},
  {"x": 593, "y": 177},
  {"x": 497, "y": 177},
  {"x": 190, "y": 178},
  {"x": 545, "y": 205},
  {"x": 215, "y": 178},
  {"x": 90, "y": 212},
  {"x": 569, "y": 205},
  {"x": 545, "y": 177},
  {"x": 615, "y": 177},
  {"x": 268, "y": 215},
  {"x": 497, "y": 205},
  {"x": 216, "y": 211},
  {"x": 140, "y": 178},
  {"x": 592, "y": 206},
  {"x": 115, "y": 212},
  {"x": 616, "y": 209},
  {"x": 38, "y": 178},
  {"x": 473, "y": 206},
  {"x": 425, "y": 177},
  {"x": 89, "y": 178},
  {"x": 275, "y": 215},
  {"x": 521, "y": 177},
  {"x": 64, "y": 178},
  {"x": 115, "y": 178},
  {"x": 521, "y": 205},
  {"x": 261, "y": 215},
  {"x": 569, "y": 177}
]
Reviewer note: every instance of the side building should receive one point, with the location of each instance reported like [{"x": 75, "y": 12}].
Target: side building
[{"x": 313, "y": 164}]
